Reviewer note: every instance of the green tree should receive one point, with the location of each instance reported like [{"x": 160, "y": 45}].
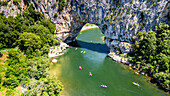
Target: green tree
[
  {"x": 162, "y": 31},
  {"x": 41, "y": 31},
  {"x": 29, "y": 41},
  {"x": 45, "y": 34},
  {"x": 11, "y": 82},
  {"x": 48, "y": 24},
  {"x": 163, "y": 40},
  {"x": 145, "y": 50}
]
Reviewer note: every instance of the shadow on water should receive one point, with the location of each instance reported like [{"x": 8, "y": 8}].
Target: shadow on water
[{"x": 101, "y": 48}]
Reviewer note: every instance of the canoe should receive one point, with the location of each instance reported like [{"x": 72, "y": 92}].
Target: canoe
[{"x": 136, "y": 84}]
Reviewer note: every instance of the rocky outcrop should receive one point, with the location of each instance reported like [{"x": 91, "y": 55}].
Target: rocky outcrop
[
  {"x": 10, "y": 9},
  {"x": 57, "y": 50},
  {"x": 119, "y": 20}
]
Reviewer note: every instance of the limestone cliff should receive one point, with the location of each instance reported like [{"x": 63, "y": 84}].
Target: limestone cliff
[{"x": 119, "y": 20}]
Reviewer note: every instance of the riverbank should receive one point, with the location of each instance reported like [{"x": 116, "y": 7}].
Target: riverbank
[
  {"x": 124, "y": 60},
  {"x": 87, "y": 27},
  {"x": 57, "y": 50},
  {"x": 137, "y": 70}
]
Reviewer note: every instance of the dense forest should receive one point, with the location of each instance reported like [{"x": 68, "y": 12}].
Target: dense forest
[
  {"x": 29, "y": 36},
  {"x": 151, "y": 53}
]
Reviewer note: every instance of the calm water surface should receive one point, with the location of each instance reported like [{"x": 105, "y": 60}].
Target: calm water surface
[{"x": 115, "y": 75}]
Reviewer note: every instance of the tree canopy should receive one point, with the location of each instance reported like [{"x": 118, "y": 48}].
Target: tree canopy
[
  {"x": 152, "y": 53},
  {"x": 29, "y": 42}
]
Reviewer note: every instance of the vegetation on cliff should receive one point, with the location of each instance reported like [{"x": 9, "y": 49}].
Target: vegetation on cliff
[
  {"x": 27, "y": 65},
  {"x": 152, "y": 53}
]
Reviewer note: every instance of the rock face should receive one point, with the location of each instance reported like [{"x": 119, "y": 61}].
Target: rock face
[
  {"x": 119, "y": 20},
  {"x": 11, "y": 9}
]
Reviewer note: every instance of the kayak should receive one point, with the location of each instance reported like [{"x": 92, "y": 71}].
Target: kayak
[
  {"x": 136, "y": 84},
  {"x": 104, "y": 86},
  {"x": 90, "y": 74},
  {"x": 80, "y": 67}
]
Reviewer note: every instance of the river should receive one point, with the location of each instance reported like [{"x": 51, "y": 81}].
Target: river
[{"x": 92, "y": 57}]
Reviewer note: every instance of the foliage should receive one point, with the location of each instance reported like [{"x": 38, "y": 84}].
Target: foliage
[
  {"x": 30, "y": 21},
  {"x": 61, "y": 5},
  {"x": 48, "y": 24},
  {"x": 44, "y": 34},
  {"x": 37, "y": 67},
  {"x": 31, "y": 33},
  {"x": 55, "y": 15},
  {"x": 3, "y": 3},
  {"x": 49, "y": 86},
  {"x": 16, "y": 67},
  {"x": 11, "y": 82},
  {"x": 0, "y": 79},
  {"x": 12, "y": 92},
  {"x": 117, "y": 52},
  {"x": 7, "y": 36},
  {"x": 29, "y": 42},
  {"x": 16, "y": 2},
  {"x": 89, "y": 24},
  {"x": 152, "y": 53},
  {"x": 20, "y": 70}
]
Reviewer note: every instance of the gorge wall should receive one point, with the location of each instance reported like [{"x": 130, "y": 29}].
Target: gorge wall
[{"x": 119, "y": 20}]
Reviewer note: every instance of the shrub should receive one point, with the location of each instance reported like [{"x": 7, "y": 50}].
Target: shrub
[
  {"x": 117, "y": 52},
  {"x": 55, "y": 15}
]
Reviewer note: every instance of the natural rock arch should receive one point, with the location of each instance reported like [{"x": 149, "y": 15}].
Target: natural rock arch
[
  {"x": 119, "y": 20},
  {"x": 112, "y": 17}
]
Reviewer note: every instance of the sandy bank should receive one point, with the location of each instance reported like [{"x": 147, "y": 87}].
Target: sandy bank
[{"x": 89, "y": 27}]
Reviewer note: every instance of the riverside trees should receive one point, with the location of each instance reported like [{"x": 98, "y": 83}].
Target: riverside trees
[
  {"x": 152, "y": 53},
  {"x": 32, "y": 35}
]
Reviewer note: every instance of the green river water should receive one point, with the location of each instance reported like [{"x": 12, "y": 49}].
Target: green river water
[{"x": 116, "y": 76}]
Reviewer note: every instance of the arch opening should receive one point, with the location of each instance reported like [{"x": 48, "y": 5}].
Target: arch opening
[{"x": 92, "y": 38}]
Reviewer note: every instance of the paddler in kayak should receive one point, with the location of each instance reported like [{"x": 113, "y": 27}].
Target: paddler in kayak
[
  {"x": 90, "y": 74},
  {"x": 104, "y": 86},
  {"x": 80, "y": 67},
  {"x": 136, "y": 84}
]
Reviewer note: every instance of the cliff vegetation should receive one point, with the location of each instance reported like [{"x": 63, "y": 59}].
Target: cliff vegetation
[{"x": 152, "y": 54}]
